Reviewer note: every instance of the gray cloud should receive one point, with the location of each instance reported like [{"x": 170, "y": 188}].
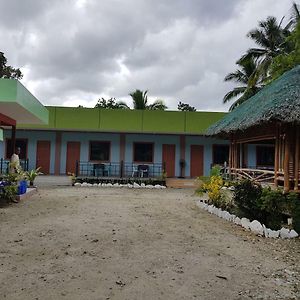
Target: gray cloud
[{"x": 73, "y": 52}]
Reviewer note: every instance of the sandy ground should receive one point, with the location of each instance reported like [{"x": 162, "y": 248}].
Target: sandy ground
[{"x": 93, "y": 243}]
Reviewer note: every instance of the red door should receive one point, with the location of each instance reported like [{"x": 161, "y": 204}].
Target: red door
[
  {"x": 43, "y": 156},
  {"x": 73, "y": 155},
  {"x": 196, "y": 160},
  {"x": 168, "y": 158}
]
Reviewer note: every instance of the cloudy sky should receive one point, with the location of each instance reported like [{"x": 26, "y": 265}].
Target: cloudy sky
[{"x": 73, "y": 52}]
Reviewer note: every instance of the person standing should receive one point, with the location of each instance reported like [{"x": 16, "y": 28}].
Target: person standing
[{"x": 15, "y": 161}]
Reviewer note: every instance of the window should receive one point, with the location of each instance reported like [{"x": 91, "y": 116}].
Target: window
[
  {"x": 20, "y": 143},
  {"x": 143, "y": 152},
  {"x": 100, "y": 151},
  {"x": 265, "y": 156},
  {"x": 220, "y": 154}
]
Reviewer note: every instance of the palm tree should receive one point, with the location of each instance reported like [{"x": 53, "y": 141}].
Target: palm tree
[
  {"x": 270, "y": 37},
  {"x": 295, "y": 16},
  {"x": 140, "y": 101},
  {"x": 247, "y": 77}
]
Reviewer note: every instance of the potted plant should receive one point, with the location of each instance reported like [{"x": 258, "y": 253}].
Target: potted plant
[
  {"x": 31, "y": 175},
  {"x": 72, "y": 177}
]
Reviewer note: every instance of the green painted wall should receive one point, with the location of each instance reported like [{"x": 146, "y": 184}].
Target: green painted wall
[
  {"x": 121, "y": 120},
  {"x": 199, "y": 122},
  {"x": 163, "y": 121},
  {"x": 31, "y": 104},
  {"x": 12, "y": 91},
  {"x": 110, "y": 120},
  {"x": 77, "y": 118}
]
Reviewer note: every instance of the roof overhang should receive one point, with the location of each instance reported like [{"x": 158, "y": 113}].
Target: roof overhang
[{"x": 17, "y": 103}]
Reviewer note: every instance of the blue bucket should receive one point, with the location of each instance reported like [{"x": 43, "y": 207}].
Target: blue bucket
[{"x": 22, "y": 188}]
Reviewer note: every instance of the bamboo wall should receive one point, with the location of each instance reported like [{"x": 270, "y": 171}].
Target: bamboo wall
[{"x": 287, "y": 152}]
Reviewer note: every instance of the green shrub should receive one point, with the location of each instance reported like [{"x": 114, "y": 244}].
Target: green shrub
[
  {"x": 272, "y": 203},
  {"x": 202, "y": 181},
  {"x": 294, "y": 204},
  {"x": 213, "y": 188},
  {"x": 245, "y": 197},
  {"x": 215, "y": 171},
  {"x": 10, "y": 192}
]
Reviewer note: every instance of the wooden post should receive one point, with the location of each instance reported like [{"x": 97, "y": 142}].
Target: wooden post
[
  {"x": 13, "y": 139},
  {"x": 277, "y": 153},
  {"x": 286, "y": 161},
  {"x": 297, "y": 151},
  {"x": 235, "y": 158},
  {"x": 230, "y": 155}
]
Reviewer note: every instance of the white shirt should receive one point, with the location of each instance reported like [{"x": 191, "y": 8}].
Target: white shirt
[{"x": 14, "y": 163}]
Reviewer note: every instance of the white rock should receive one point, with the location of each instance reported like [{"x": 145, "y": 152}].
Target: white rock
[
  {"x": 237, "y": 221},
  {"x": 77, "y": 184},
  {"x": 116, "y": 185},
  {"x": 89, "y": 184},
  {"x": 143, "y": 185},
  {"x": 136, "y": 185},
  {"x": 266, "y": 233},
  {"x": 290, "y": 221},
  {"x": 273, "y": 233},
  {"x": 222, "y": 214},
  {"x": 232, "y": 218},
  {"x": 256, "y": 228},
  {"x": 215, "y": 211},
  {"x": 245, "y": 223},
  {"x": 163, "y": 186},
  {"x": 149, "y": 186},
  {"x": 95, "y": 184},
  {"x": 84, "y": 184},
  {"x": 157, "y": 186},
  {"x": 293, "y": 234},
  {"x": 209, "y": 208},
  {"x": 227, "y": 216},
  {"x": 109, "y": 185},
  {"x": 130, "y": 185},
  {"x": 284, "y": 233}
]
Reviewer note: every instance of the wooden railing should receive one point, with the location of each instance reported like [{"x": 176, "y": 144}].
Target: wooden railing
[{"x": 257, "y": 175}]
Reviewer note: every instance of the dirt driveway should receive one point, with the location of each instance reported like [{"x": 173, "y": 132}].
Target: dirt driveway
[{"x": 109, "y": 243}]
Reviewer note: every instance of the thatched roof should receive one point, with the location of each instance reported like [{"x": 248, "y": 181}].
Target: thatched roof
[{"x": 278, "y": 101}]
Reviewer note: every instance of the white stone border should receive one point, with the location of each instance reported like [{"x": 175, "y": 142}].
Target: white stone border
[
  {"x": 254, "y": 226},
  {"x": 117, "y": 185}
]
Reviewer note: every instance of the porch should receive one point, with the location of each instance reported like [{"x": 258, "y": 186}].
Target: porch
[
  {"x": 282, "y": 167},
  {"x": 119, "y": 170}
]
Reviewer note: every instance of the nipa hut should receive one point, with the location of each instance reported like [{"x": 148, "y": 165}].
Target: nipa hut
[{"x": 270, "y": 117}]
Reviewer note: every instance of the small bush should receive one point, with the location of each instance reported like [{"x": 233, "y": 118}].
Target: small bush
[
  {"x": 246, "y": 195},
  {"x": 272, "y": 203},
  {"x": 10, "y": 192},
  {"x": 294, "y": 203},
  {"x": 213, "y": 188},
  {"x": 215, "y": 171},
  {"x": 202, "y": 181}
]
